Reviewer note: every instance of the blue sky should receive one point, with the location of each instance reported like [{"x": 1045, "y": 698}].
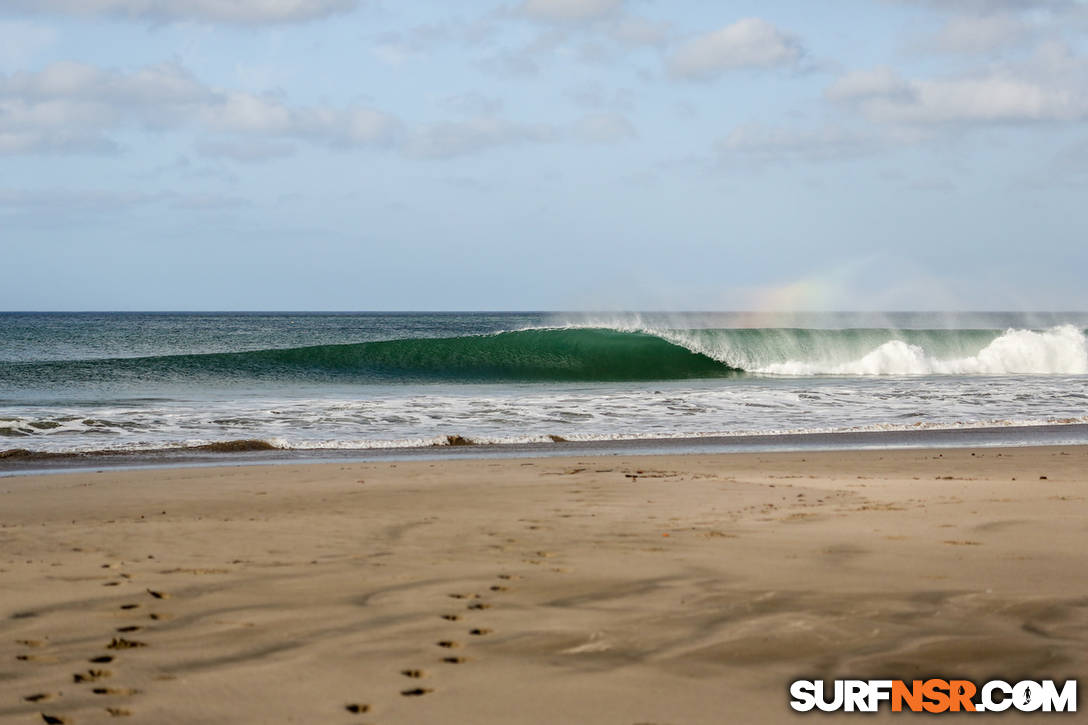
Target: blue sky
[{"x": 543, "y": 154}]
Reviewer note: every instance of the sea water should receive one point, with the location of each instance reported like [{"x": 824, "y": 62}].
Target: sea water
[{"x": 78, "y": 382}]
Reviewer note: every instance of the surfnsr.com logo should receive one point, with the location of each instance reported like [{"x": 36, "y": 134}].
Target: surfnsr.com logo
[{"x": 933, "y": 696}]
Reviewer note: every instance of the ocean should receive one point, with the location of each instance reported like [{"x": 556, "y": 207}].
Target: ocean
[{"x": 138, "y": 382}]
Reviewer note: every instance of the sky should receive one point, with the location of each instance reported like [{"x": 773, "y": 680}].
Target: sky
[{"x": 543, "y": 155}]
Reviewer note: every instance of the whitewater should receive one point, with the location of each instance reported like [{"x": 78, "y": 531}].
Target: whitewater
[
  {"x": 322, "y": 381},
  {"x": 1062, "y": 350}
]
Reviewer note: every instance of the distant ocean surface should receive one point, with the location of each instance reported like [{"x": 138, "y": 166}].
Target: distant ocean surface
[{"x": 142, "y": 381}]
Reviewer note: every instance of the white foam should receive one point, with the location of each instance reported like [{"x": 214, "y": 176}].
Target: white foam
[{"x": 1061, "y": 350}]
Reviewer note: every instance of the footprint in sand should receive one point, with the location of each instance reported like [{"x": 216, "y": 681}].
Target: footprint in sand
[
  {"x": 91, "y": 675},
  {"x": 451, "y": 617},
  {"x": 158, "y": 595},
  {"x": 129, "y": 628},
  {"x": 448, "y": 644},
  {"x": 35, "y": 658},
  {"x": 101, "y": 659},
  {"x": 414, "y": 674},
  {"x": 416, "y": 691},
  {"x": 357, "y": 707},
  {"x": 122, "y": 643},
  {"x": 160, "y": 617},
  {"x": 53, "y": 719},
  {"x": 455, "y": 660},
  {"x": 118, "y": 711},
  {"x": 124, "y": 691},
  {"x": 129, "y": 606},
  {"x": 479, "y": 631},
  {"x": 479, "y": 605},
  {"x": 39, "y": 697}
]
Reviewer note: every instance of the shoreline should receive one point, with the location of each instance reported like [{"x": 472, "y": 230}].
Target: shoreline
[
  {"x": 611, "y": 589},
  {"x": 247, "y": 452}
]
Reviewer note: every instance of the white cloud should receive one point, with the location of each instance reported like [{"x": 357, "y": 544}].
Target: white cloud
[
  {"x": 989, "y": 27},
  {"x": 982, "y": 7},
  {"x": 399, "y": 47},
  {"x": 593, "y": 95},
  {"x": 747, "y": 43},
  {"x": 994, "y": 96},
  {"x": 244, "y": 150},
  {"x": 604, "y": 128},
  {"x": 244, "y": 12},
  {"x": 473, "y": 104},
  {"x": 636, "y": 31},
  {"x": 979, "y": 33},
  {"x": 758, "y": 143},
  {"x": 72, "y": 199},
  {"x": 521, "y": 62},
  {"x": 868, "y": 83},
  {"x": 449, "y": 139},
  {"x": 20, "y": 41},
  {"x": 82, "y": 202},
  {"x": 72, "y": 106},
  {"x": 569, "y": 10}
]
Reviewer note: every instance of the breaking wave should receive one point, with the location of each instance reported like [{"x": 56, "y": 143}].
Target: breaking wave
[{"x": 605, "y": 354}]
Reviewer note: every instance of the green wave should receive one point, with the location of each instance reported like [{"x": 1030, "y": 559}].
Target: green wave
[
  {"x": 587, "y": 354},
  {"x": 575, "y": 354}
]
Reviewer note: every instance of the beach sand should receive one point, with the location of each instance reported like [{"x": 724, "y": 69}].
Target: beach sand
[{"x": 611, "y": 589}]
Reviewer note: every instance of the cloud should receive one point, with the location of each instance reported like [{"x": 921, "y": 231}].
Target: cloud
[
  {"x": 82, "y": 202},
  {"x": 521, "y": 62},
  {"x": 878, "y": 82},
  {"x": 635, "y": 31},
  {"x": 998, "y": 95},
  {"x": 396, "y": 48},
  {"x": 568, "y": 11},
  {"x": 593, "y": 95},
  {"x": 72, "y": 199},
  {"x": 986, "y": 27},
  {"x": 747, "y": 43},
  {"x": 760, "y": 144},
  {"x": 979, "y": 34},
  {"x": 473, "y": 103},
  {"x": 1069, "y": 167},
  {"x": 244, "y": 150},
  {"x": 241, "y": 12},
  {"x": 449, "y": 139},
  {"x": 71, "y": 106},
  {"x": 20, "y": 41},
  {"x": 452, "y": 139},
  {"x": 604, "y": 128},
  {"x": 983, "y": 7}
]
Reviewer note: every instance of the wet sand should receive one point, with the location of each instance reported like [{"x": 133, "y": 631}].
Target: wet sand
[{"x": 594, "y": 589}]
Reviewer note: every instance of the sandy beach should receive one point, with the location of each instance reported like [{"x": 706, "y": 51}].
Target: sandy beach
[{"x": 609, "y": 589}]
